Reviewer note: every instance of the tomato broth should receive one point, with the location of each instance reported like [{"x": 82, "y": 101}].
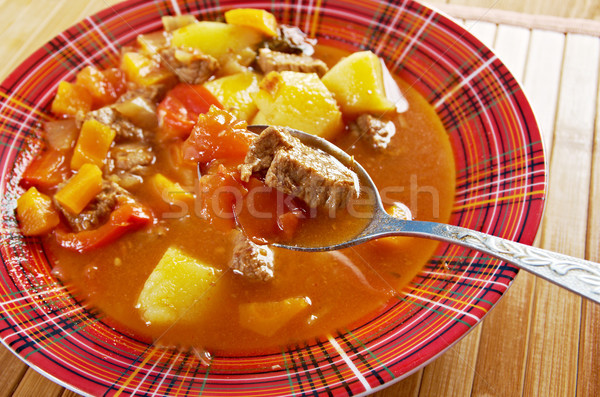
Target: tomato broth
[{"x": 338, "y": 288}]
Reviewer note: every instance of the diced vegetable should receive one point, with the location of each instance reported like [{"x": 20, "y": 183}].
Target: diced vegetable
[
  {"x": 186, "y": 173},
  {"x": 47, "y": 170},
  {"x": 61, "y": 134},
  {"x": 71, "y": 99},
  {"x": 140, "y": 111},
  {"x": 260, "y": 20},
  {"x": 152, "y": 43},
  {"x": 218, "y": 194},
  {"x": 357, "y": 84},
  {"x": 179, "y": 288},
  {"x": 169, "y": 191},
  {"x": 145, "y": 71},
  {"x": 127, "y": 217},
  {"x": 179, "y": 111},
  {"x": 217, "y": 135},
  {"x": 216, "y": 38},
  {"x": 35, "y": 213},
  {"x": 81, "y": 188},
  {"x": 93, "y": 144},
  {"x": 174, "y": 22},
  {"x": 234, "y": 93},
  {"x": 104, "y": 86},
  {"x": 266, "y": 318},
  {"x": 300, "y": 101}
]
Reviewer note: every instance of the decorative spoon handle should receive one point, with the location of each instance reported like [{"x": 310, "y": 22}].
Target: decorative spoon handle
[{"x": 577, "y": 275}]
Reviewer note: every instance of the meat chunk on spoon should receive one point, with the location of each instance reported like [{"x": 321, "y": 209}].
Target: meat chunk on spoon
[{"x": 297, "y": 169}]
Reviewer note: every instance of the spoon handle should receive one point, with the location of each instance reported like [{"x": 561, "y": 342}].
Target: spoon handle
[{"x": 577, "y": 275}]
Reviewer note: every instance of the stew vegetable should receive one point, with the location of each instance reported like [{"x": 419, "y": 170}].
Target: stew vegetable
[{"x": 157, "y": 205}]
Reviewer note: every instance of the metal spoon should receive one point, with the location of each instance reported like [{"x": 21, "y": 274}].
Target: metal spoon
[{"x": 577, "y": 275}]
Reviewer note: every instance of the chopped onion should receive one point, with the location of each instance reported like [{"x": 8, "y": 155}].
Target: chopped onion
[
  {"x": 140, "y": 111},
  {"x": 61, "y": 134}
]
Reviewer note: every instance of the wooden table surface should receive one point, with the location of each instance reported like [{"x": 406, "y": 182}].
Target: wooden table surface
[{"x": 540, "y": 340}]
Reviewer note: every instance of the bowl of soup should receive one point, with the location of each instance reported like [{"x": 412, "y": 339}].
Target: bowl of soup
[{"x": 136, "y": 249}]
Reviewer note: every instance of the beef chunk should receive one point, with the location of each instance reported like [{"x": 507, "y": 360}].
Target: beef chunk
[
  {"x": 374, "y": 130},
  {"x": 291, "y": 40},
  {"x": 131, "y": 157},
  {"x": 128, "y": 162},
  {"x": 191, "y": 66},
  {"x": 125, "y": 129},
  {"x": 300, "y": 170},
  {"x": 273, "y": 60},
  {"x": 97, "y": 211},
  {"x": 263, "y": 149},
  {"x": 153, "y": 94},
  {"x": 250, "y": 259}
]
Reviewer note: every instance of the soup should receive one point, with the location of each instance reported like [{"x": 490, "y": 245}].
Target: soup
[{"x": 135, "y": 262}]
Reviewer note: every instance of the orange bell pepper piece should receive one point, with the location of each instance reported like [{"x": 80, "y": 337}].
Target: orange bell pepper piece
[{"x": 80, "y": 189}]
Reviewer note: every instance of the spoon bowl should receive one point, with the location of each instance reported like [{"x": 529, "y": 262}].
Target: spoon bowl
[{"x": 577, "y": 275}]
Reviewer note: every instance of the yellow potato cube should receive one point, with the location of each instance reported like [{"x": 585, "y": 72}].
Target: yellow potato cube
[
  {"x": 234, "y": 93},
  {"x": 261, "y": 20},
  {"x": 144, "y": 70},
  {"x": 357, "y": 84},
  {"x": 298, "y": 100},
  {"x": 266, "y": 318},
  {"x": 216, "y": 38},
  {"x": 179, "y": 288}
]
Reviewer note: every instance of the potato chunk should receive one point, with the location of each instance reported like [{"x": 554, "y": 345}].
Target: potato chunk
[
  {"x": 216, "y": 38},
  {"x": 234, "y": 93},
  {"x": 266, "y": 318},
  {"x": 261, "y": 20},
  {"x": 178, "y": 289},
  {"x": 298, "y": 100},
  {"x": 357, "y": 84},
  {"x": 35, "y": 213}
]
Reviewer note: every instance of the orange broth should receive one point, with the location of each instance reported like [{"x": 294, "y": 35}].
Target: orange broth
[{"x": 344, "y": 286}]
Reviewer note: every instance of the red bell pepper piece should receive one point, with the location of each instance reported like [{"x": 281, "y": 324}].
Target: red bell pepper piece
[
  {"x": 48, "y": 170},
  {"x": 178, "y": 112},
  {"x": 125, "y": 218}
]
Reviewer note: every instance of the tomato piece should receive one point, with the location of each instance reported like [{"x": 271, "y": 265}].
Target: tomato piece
[
  {"x": 48, "y": 170},
  {"x": 218, "y": 194},
  {"x": 105, "y": 86},
  {"x": 218, "y": 135},
  {"x": 125, "y": 218},
  {"x": 179, "y": 110},
  {"x": 266, "y": 214}
]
